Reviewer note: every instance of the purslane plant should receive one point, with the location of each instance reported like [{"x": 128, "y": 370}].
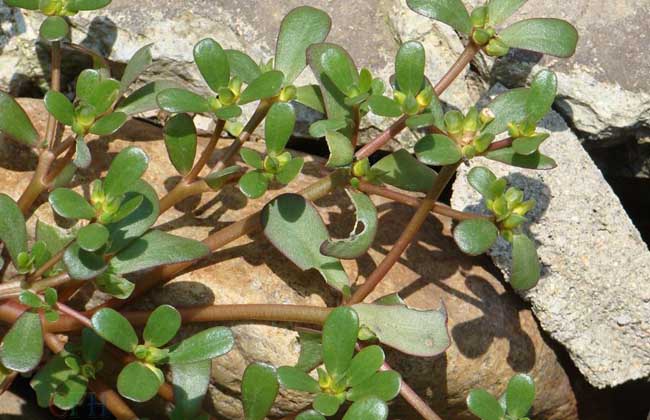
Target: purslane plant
[{"x": 114, "y": 235}]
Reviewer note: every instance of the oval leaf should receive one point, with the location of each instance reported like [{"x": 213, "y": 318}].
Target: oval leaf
[
  {"x": 545, "y": 35},
  {"x": 114, "y": 328},
  {"x": 181, "y": 100},
  {"x": 357, "y": 243},
  {"x": 333, "y": 97},
  {"x": 436, "y": 149},
  {"x": 321, "y": 127},
  {"x": 383, "y": 106},
  {"x": 265, "y": 86},
  {"x": 294, "y": 227},
  {"x": 190, "y": 382},
  {"x": 500, "y": 10},
  {"x": 341, "y": 150},
  {"x": 290, "y": 171},
  {"x": 370, "y": 408},
  {"x": 339, "y": 69},
  {"x": 82, "y": 158},
  {"x": 451, "y": 12},
  {"x": 475, "y": 236},
  {"x": 145, "y": 98},
  {"x": 525, "y": 263},
  {"x": 542, "y": 94},
  {"x": 484, "y": 405},
  {"x": 310, "y": 415},
  {"x": 520, "y": 395},
  {"x": 254, "y": 184},
  {"x": 109, "y": 124},
  {"x": 507, "y": 107},
  {"x": 92, "y": 237},
  {"x": 364, "y": 365},
  {"x": 54, "y": 28},
  {"x": 327, "y": 404},
  {"x": 300, "y": 28},
  {"x": 138, "y": 63},
  {"x": 138, "y": 382},
  {"x": 23, "y": 4},
  {"x": 259, "y": 388},
  {"x": 402, "y": 170},
  {"x": 87, "y": 4},
  {"x": 15, "y": 123},
  {"x": 212, "y": 62},
  {"x": 294, "y": 378},
  {"x": 242, "y": 66},
  {"x": 22, "y": 347},
  {"x": 82, "y": 264},
  {"x": 278, "y": 127},
  {"x": 12, "y": 227},
  {"x": 162, "y": 325},
  {"x": 60, "y": 107},
  {"x": 339, "y": 338},
  {"x": 126, "y": 168},
  {"x": 384, "y": 385},
  {"x": 409, "y": 67},
  {"x": 180, "y": 141},
  {"x": 528, "y": 145},
  {"x": 533, "y": 161},
  {"x": 207, "y": 344},
  {"x": 481, "y": 179}
]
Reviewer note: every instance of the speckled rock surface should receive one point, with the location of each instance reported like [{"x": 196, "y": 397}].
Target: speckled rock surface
[
  {"x": 594, "y": 294},
  {"x": 493, "y": 334}
]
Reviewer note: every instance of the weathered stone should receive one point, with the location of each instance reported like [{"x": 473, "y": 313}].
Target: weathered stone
[
  {"x": 592, "y": 299},
  {"x": 493, "y": 334}
]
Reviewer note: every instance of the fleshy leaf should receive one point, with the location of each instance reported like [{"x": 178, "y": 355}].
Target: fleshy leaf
[
  {"x": 520, "y": 395},
  {"x": 290, "y": 171},
  {"x": 507, "y": 107},
  {"x": 114, "y": 328},
  {"x": 125, "y": 169},
  {"x": 533, "y": 161},
  {"x": 300, "y": 28},
  {"x": 258, "y": 389},
  {"x": 49, "y": 378},
  {"x": 293, "y": 378},
  {"x": 321, "y": 127},
  {"x": 92, "y": 237},
  {"x": 242, "y": 66},
  {"x": 310, "y": 415},
  {"x": 339, "y": 69},
  {"x": 218, "y": 179},
  {"x": 13, "y": 232},
  {"x": 228, "y": 112},
  {"x": 500, "y": 10},
  {"x": 370, "y": 408},
  {"x": 384, "y": 385},
  {"x": 145, "y": 98},
  {"x": 265, "y": 86},
  {"x": 437, "y": 149},
  {"x": 157, "y": 248},
  {"x": 22, "y": 346},
  {"x": 15, "y": 123},
  {"x": 409, "y": 67},
  {"x": 88, "y": 4},
  {"x": 327, "y": 404},
  {"x": 294, "y": 227},
  {"x": 180, "y": 142},
  {"x": 103, "y": 95},
  {"x": 528, "y": 145},
  {"x": 212, "y": 62},
  {"x": 542, "y": 94},
  {"x": 311, "y": 353},
  {"x": 402, "y": 170},
  {"x": 417, "y": 332},
  {"x": 181, "y": 100},
  {"x": 190, "y": 382},
  {"x": 252, "y": 157},
  {"x": 341, "y": 150},
  {"x": 70, "y": 394},
  {"x": 138, "y": 63},
  {"x": 162, "y": 325},
  {"x": 138, "y": 382},
  {"x": 525, "y": 263},
  {"x": 451, "y": 12},
  {"x": 92, "y": 345},
  {"x": 254, "y": 184},
  {"x": 208, "y": 344},
  {"x": 484, "y": 405},
  {"x": 23, "y": 4},
  {"x": 358, "y": 242},
  {"x": 114, "y": 285},
  {"x": 60, "y": 107},
  {"x": 339, "y": 338},
  {"x": 365, "y": 364},
  {"x": 383, "y": 106},
  {"x": 54, "y": 28},
  {"x": 278, "y": 127},
  {"x": 545, "y": 35},
  {"x": 475, "y": 236},
  {"x": 82, "y": 158},
  {"x": 82, "y": 264},
  {"x": 109, "y": 124},
  {"x": 311, "y": 97}
]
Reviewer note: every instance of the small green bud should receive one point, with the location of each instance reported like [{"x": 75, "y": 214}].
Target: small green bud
[
  {"x": 97, "y": 192},
  {"x": 353, "y": 92},
  {"x": 471, "y": 121},
  {"x": 288, "y": 93},
  {"x": 513, "y": 130},
  {"x": 411, "y": 106},
  {"x": 156, "y": 355},
  {"x": 481, "y": 36},
  {"x": 454, "y": 121},
  {"x": 361, "y": 168},
  {"x": 479, "y": 17},
  {"x": 514, "y": 196},
  {"x": 271, "y": 164},
  {"x": 24, "y": 262},
  {"x": 482, "y": 142},
  {"x": 500, "y": 207},
  {"x": 525, "y": 207},
  {"x": 355, "y": 182},
  {"x": 226, "y": 96},
  {"x": 324, "y": 380},
  {"x": 496, "y": 48},
  {"x": 365, "y": 80},
  {"x": 425, "y": 96},
  {"x": 283, "y": 158},
  {"x": 214, "y": 103},
  {"x": 469, "y": 151},
  {"x": 235, "y": 85},
  {"x": 507, "y": 235},
  {"x": 400, "y": 97},
  {"x": 141, "y": 352},
  {"x": 366, "y": 334},
  {"x": 84, "y": 118},
  {"x": 486, "y": 116},
  {"x": 513, "y": 221}
]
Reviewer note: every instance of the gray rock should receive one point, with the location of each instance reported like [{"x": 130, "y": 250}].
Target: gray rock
[{"x": 594, "y": 294}]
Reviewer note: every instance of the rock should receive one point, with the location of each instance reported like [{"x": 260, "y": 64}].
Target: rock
[
  {"x": 494, "y": 335},
  {"x": 593, "y": 296}
]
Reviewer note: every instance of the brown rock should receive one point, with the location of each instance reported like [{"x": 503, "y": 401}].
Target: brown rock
[{"x": 494, "y": 334}]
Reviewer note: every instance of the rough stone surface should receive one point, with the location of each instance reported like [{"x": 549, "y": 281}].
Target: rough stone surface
[
  {"x": 494, "y": 335},
  {"x": 594, "y": 294}
]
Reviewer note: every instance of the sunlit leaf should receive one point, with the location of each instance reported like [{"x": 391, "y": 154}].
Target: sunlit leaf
[
  {"x": 507, "y": 107},
  {"x": 114, "y": 285},
  {"x": 310, "y": 415},
  {"x": 484, "y": 405},
  {"x": 218, "y": 179},
  {"x": 311, "y": 97},
  {"x": 359, "y": 241},
  {"x": 384, "y": 385},
  {"x": 212, "y": 62},
  {"x": 265, "y": 86},
  {"x": 321, "y": 127},
  {"x": 50, "y": 378},
  {"x": 451, "y": 12},
  {"x": 437, "y": 149},
  {"x": 364, "y": 365},
  {"x": 125, "y": 169},
  {"x": 87, "y": 4},
  {"x": 22, "y": 346},
  {"x": 542, "y": 94},
  {"x": 82, "y": 158},
  {"x": 333, "y": 98},
  {"x": 500, "y": 10},
  {"x": 481, "y": 179},
  {"x": 138, "y": 63},
  {"x": 311, "y": 354},
  {"x": 404, "y": 171},
  {"x": 533, "y": 161},
  {"x": 138, "y": 382},
  {"x": 13, "y": 232},
  {"x": 258, "y": 389},
  {"x": 228, "y": 112},
  {"x": 15, "y": 123},
  {"x": 162, "y": 325},
  {"x": 290, "y": 171},
  {"x": 383, "y": 106},
  {"x": 190, "y": 382},
  {"x": 341, "y": 150},
  {"x": 545, "y": 35},
  {"x": 92, "y": 237},
  {"x": 109, "y": 124},
  {"x": 180, "y": 142},
  {"x": 327, "y": 404},
  {"x": 242, "y": 66},
  {"x": 23, "y": 4},
  {"x": 254, "y": 184},
  {"x": 181, "y": 100},
  {"x": 409, "y": 67},
  {"x": 208, "y": 344},
  {"x": 475, "y": 236},
  {"x": 370, "y": 408},
  {"x": 145, "y": 98},
  {"x": 278, "y": 127},
  {"x": 54, "y": 28},
  {"x": 525, "y": 263},
  {"x": 60, "y": 107},
  {"x": 293, "y": 378},
  {"x": 339, "y": 338},
  {"x": 520, "y": 395},
  {"x": 114, "y": 328},
  {"x": 528, "y": 145}
]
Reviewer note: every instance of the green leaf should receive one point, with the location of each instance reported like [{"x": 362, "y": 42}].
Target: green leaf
[
  {"x": 138, "y": 63},
  {"x": 327, "y": 404},
  {"x": 114, "y": 328},
  {"x": 87, "y": 83},
  {"x": 23, "y": 4},
  {"x": 525, "y": 263},
  {"x": 60, "y": 107},
  {"x": 92, "y": 345},
  {"x": 162, "y": 325},
  {"x": 138, "y": 382},
  {"x": 364, "y": 365},
  {"x": 293, "y": 378},
  {"x": 542, "y": 94},
  {"x": 50, "y": 378},
  {"x": 311, "y": 354},
  {"x": 339, "y": 338},
  {"x": 181, "y": 100},
  {"x": 212, "y": 62},
  {"x": 242, "y": 66},
  {"x": 87, "y": 4},
  {"x": 109, "y": 124},
  {"x": 411, "y": 331},
  {"x": 545, "y": 35},
  {"x": 451, "y": 12},
  {"x": 339, "y": 69},
  {"x": 218, "y": 179},
  {"x": 157, "y": 248},
  {"x": 333, "y": 97},
  {"x": 105, "y": 93},
  {"x": 383, "y": 106},
  {"x": 265, "y": 86},
  {"x": 421, "y": 121},
  {"x": 294, "y": 227},
  {"x": 190, "y": 382},
  {"x": 507, "y": 107},
  {"x": 259, "y": 388},
  {"x": 528, "y": 145},
  {"x": 484, "y": 405},
  {"x": 145, "y": 98},
  {"x": 82, "y": 157},
  {"x": 341, "y": 150},
  {"x": 138, "y": 221},
  {"x": 402, "y": 170},
  {"x": 125, "y": 169},
  {"x": 81, "y": 264},
  {"x": 114, "y": 285},
  {"x": 370, "y": 408},
  {"x": 180, "y": 141},
  {"x": 22, "y": 346},
  {"x": 320, "y": 128},
  {"x": 300, "y": 28},
  {"x": 500, "y": 10},
  {"x": 252, "y": 157},
  {"x": 475, "y": 236},
  {"x": 290, "y": 171},
  {"x": 228, "y": 112},
  {"x": 359, "y": 240},
  {"x": 54, "y": 28},
  {"x": 533, "y": 161},
  {"x": 409, "y": 67},
  {"x": 31, "y": 299},
  {"x": 481, "y": 179},
  {"x": 15, "y": 123},
  {"x": 254, "y": 184},
  {"x": 384, "y": 385},
  {"x": 520, "y": 395},
  {"x": 310, "y": 415},
  {"x": 92, "y": 237},
  {"x": 12, "y": 227},
  {"x": 207, "y": 344},
  {"x": 437, "y": 149},
  {"x": 55, "y": 239},
  {"x": 71, "y": 392},
  {"x": 278, "y": 127},
  {"x": 311, "y": 97}
]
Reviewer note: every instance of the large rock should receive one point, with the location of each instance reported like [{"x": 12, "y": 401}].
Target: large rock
[
  {"x": 594, "y": 294},
  {"x": 494, "y": 335}
]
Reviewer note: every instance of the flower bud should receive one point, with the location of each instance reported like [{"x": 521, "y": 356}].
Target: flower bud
[
  {"x": 214, "y": 104},
  {"x": 482, "y": 142},
  {"x": 513, "y": 221},
  {"x": 487, "y": 116},
  {"x": 471, "y": 121},
  {"x": 425, "y": 96},
  {"x": 469, "y": 151},
  {"x": 481, "y": 36},
  {"x": 235, "y": 85},
  {"x": 410, "y": 106},
  {"x": 454, "y": 121},
  {"x": 226, "y": 96},
  {"x": 361, "y": 168},
  {"x": 496, "y": 48},
  {"x": 288, "y": 93},
  {"x": 283, "y": 158},
  {"x": 525, "y": 207},
  {"x": 271, "y": 164},
  {"x": 514, "y": 196},
  {"x": 479, "y": 16}
]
